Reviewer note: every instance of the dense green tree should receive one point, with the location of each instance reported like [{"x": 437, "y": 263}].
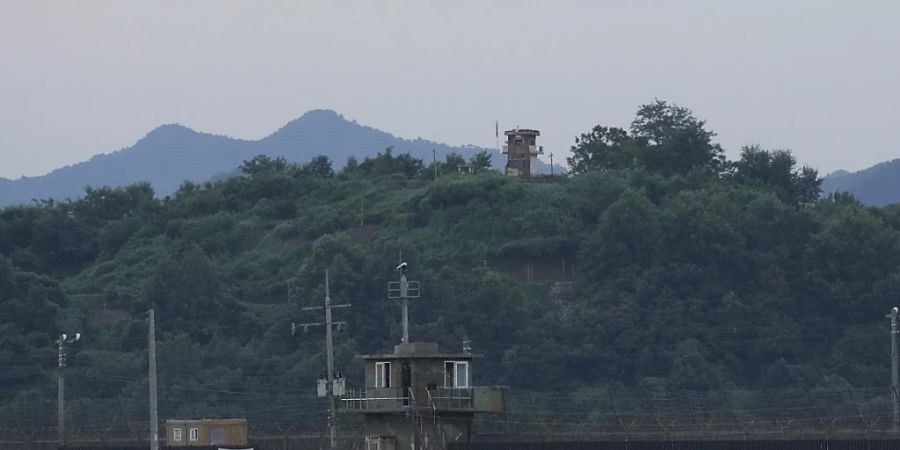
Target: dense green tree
[
  {"x": 263, "y": 165},
  {"x": 673, "y": 140},
  {"x": 481, "y": 161},
  {"x": 777, "y": 169},
  {"x": 603, "y": 148},
  {"x": 320, "y": 166}
]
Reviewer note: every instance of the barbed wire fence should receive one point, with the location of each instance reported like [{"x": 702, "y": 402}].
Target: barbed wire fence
[
  {"x": 715, "y": 414},
  {"x": 292, "y": 421}
]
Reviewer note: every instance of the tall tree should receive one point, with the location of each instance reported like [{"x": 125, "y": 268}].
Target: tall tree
[
  {"x": 481, "y": 161},
  {"x": 674, "y": 140},
  {"x": 603, "y": 148},
  {"x": 778, "y": 170}
]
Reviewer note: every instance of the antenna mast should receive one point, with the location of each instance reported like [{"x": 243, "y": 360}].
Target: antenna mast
[{"x": 404, "y": 290}]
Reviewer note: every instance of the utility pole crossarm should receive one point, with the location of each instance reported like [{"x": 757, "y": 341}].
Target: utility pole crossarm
[
  {"x": 319, "y": 308},
  {"x": 319, "y": 324}
]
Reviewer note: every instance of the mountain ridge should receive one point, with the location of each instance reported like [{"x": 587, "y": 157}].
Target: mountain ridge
[
  {"x": 171, "y": 154},
  {"x": 878, "y": 185}
]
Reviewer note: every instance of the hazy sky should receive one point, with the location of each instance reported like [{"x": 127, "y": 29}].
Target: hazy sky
[{"x": 79, "y": 78}]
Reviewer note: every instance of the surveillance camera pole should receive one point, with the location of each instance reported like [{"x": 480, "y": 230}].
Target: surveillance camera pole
[
  {"x": 404, "y": 288},
  {"x": 402, "y": 291},
  {"x": 61, "y": 386}
]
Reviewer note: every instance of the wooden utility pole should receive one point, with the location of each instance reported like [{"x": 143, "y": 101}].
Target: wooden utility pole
[
  {"x": 151, "y": 376},
  {"x": 329, "y": 351}
]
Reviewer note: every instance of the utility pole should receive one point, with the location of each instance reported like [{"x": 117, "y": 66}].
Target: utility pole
[
  {"x": 434, "y": 157},
  {"x": 61, "y": 385},
  {"x": 895, "y": 395},
  {"x": 329, "y": 351},
  {"x": 151, "y": 352},
  {"x": 551, "y": 164}
]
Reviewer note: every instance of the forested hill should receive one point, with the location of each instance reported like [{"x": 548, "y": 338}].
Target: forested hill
[
  {"x": 878, "y": 185},
  {"x": 656, "y": 265},
  {"x": 173, "y": 154}
]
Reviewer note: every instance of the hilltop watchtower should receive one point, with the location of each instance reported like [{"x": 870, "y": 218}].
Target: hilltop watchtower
[
  {"x": 521, "y": 151},
  {"x": 418, "y": 397}
]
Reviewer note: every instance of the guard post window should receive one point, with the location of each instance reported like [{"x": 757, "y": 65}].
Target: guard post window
[
  {"x": 383, "y": 374},
  {"x": 194, "y": 434},
  {"x": 176, "y": 434},
  {"x": 456, "y": 374}
]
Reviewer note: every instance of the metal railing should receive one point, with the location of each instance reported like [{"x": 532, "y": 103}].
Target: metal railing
[
  {"x": 376, "y": 399},
  {"x": 451, "y": 398}
]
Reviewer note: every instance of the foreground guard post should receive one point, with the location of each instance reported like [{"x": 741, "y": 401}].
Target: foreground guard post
[{"x": 418, "y": 397}]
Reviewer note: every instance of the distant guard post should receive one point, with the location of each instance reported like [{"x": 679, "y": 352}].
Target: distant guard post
[{"x": 521, "y": 151}]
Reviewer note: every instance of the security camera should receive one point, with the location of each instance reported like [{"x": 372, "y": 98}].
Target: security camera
[
  {"x": 895, "y": 309},
  {"x": 77, "y": 337},
  {"x": 62, "y": 337}
]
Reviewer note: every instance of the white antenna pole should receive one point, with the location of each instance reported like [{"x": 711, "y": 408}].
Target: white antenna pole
[{"x": 403, "y": 294}]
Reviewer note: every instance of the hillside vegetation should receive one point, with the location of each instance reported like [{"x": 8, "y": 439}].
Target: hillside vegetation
[{"x": 656, "y": 265}]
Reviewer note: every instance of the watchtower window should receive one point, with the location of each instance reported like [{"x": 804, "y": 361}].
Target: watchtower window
[
  {"x": 456, "y": 374},
  {"x": 383, "y": 374},
  {"x": 518, "y": 139}
]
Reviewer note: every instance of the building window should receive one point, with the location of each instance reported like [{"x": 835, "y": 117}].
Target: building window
[
  {"x": 456, "y": 374},
  {"x": 195, "y": 434},
  {"x": 176, "y": 434},
  {"x": 373, "y": 443},
  {"x": 382, "y": 374}
]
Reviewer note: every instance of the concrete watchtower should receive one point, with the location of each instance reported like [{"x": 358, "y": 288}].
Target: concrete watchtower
[
  {"x": 417, "y": 397},
  {"x": 521, "y": 150}
]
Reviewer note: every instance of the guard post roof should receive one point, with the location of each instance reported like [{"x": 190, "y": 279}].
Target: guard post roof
[
  {"x": 417, "y": 350},
  {"x": 522, "y": 132}
]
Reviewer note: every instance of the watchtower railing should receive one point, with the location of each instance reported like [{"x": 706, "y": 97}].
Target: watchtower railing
[
  {"x": 377, "y": 399},
  {"x": 451, "y": 398}
]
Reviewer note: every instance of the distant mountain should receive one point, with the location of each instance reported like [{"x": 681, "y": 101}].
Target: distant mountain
[
  {"x": 878, "y": 185},
  {"x": 172, "y": 154}
]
